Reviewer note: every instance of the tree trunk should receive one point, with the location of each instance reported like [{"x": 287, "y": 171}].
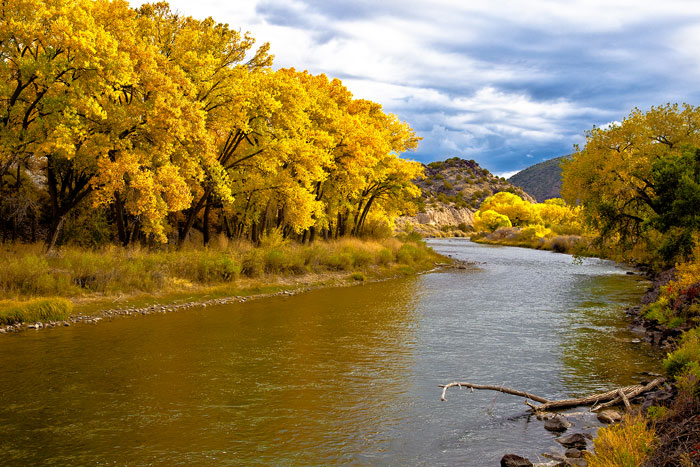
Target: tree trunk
[
  {"x": 205, "y": 223},
  {"x": 118, "y": 210},
  {"x": 55, "y": 230},
  {"x": 227, "y": 225},
  {"x": 191, "y": 216},
  {"x": 361, "y": 222}
]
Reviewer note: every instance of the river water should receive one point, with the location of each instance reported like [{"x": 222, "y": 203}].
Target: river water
[{"x": 335, "y": 376}]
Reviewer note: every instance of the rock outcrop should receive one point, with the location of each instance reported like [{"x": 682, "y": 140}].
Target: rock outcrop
[{"x": 452, "y": 191}]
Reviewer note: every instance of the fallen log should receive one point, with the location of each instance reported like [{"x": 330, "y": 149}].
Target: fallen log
[
  {"x": 607, "y": 399},
  {"x": 502, "y": 389},
  {"x": 632, "y": 394}
]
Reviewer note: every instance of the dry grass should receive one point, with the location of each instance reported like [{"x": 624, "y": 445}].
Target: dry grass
[{"x": 26, "y": 272}]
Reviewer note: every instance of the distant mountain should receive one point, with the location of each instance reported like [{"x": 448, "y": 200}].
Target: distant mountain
[
  {"x": 543, "y": 180},
  {"x": 452, "y": 191}
]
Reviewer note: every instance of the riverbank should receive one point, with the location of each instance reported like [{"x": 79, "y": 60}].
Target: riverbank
[
  {"x": 525, "y": 238},
  {"x": 666, "y": 318},
  {"x": 77, "y": 285}
]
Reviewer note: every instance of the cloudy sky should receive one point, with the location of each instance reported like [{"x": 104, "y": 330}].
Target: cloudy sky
[{"x": 507, "y": 83}]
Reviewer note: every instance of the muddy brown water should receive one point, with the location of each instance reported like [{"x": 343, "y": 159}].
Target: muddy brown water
[{"x": 329, "y": 377}]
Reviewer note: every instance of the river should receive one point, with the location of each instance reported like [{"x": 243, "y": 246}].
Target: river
[{"x": 334, "y": 376}]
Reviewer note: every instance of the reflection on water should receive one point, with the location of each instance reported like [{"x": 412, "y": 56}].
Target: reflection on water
[{"x": 333, "y": 376}]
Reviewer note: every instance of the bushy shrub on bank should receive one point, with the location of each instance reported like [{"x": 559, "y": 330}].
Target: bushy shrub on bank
[{"x": 627, "y": 444}]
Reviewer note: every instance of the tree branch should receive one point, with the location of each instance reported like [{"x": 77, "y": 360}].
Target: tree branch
[{"x": 610, "y": 397}]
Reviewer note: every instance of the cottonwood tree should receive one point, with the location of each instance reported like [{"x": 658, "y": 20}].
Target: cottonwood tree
[{"x": 612, "y": 177}]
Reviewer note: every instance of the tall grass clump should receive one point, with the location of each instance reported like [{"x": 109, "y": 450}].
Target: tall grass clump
[
  {"x": 627, "y": 444},
  {"x": 53, "y": 309}
]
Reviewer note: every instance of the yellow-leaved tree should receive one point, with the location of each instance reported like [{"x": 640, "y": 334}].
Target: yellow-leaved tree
[{"x": 504, "y": 209}]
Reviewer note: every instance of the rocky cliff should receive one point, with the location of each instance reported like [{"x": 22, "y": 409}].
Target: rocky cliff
[{"x": 452, "y": 191}]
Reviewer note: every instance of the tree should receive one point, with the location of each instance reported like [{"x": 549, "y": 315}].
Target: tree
[
  {"x": 612, "y": 176},
  {"x": 676, "y": 203},
  {"x": 489, "y": 220},
  {"x": 57, "y": 57},
  {"x": 519, "y": 211},
  {"x": 230, "y": 86}
]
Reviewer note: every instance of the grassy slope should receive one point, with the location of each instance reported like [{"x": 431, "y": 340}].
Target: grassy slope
[{"x": 93, "y": 280}]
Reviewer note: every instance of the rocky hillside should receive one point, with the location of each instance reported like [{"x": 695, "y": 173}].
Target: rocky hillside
[
  {"x": 543, "y": 180},
  {"x": 452, "y": 192}
]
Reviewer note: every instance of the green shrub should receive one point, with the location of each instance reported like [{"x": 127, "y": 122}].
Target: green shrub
[
  {"x": 385, "y": 256},
  {"x": 87, "y": 227},
  {"x": 89, "y": 271},
  {"x": 464, "y": 227},
  {"x": 656, "y": 412},
  {"x": 412, "y": 237},
  {"x": 275, "y": 261},
  {"x": 361, "y": 258},
  {"x": 682, "y": 358},
  {"x": 688, "y": 380},
  {"x": 341, "y": 261},
  {"x": 409, "y": 254},
  {"x": 26, "y": 275},
  {"x": 658, "y": 311}
]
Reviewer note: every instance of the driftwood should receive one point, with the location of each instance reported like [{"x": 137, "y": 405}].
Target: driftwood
[
  {"x": 639, "y": 389},
  {"x": 598, "y": 401},
  {"x": 502, "y": 389}
]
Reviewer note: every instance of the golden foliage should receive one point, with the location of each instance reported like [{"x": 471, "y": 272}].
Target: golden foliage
[
  {"x": 161, "y": 117},
  {"x": 504, "y": 209},
  {"x": 626, "y": 444}
]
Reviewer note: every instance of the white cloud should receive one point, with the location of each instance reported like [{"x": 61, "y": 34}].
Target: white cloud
[{"x": 507, "y": 174}]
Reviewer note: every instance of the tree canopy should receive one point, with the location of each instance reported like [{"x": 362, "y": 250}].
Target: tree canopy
[
  {"x": 506, "y": 209},
  {"x": 637, "y": 182},
  {"x": 165, "y": 123}
]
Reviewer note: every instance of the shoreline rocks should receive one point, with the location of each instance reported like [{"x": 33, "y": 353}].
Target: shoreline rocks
[
  {"x": 147, "y": 310},
  {"x": 557, "y": 424}
]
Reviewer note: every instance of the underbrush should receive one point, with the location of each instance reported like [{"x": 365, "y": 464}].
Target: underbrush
[
  {"x": 686, "y": 357},
  {"x": 668, "y": 436},
  {"x": 677, "y": 431},
  {"x": 26, "y": 272}
]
